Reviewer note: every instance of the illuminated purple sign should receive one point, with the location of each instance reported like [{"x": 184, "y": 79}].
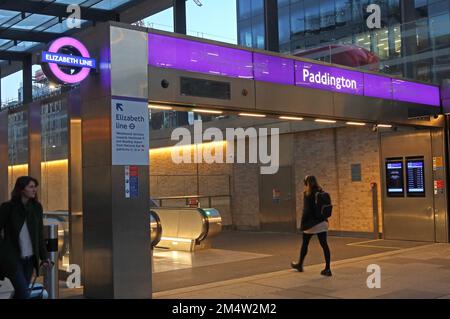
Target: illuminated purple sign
[
  {"x": 268, "y": 68},
  {"x": 377, "y": 86},
  {"x": 415, "y": 92},
  {"x": 183, "y": 54},
  {"x": 53, "y": 61},
  {"x": 188, "y": 55}
]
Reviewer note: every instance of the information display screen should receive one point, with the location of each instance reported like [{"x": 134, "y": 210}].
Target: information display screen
[
  {"x": 415, "y": 176},
  {"x": 394, "y": 178}
]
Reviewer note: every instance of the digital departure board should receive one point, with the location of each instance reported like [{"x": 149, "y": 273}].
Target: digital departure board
[
  {"x": 415, "y": 177},
  {"x": 394, "y": 178}
]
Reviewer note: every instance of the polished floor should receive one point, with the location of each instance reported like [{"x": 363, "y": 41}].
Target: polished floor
[
  {"x": 421, "y": 272},
  {"x": 241, "y": 259},
  {"x": 237, "y": 254}
]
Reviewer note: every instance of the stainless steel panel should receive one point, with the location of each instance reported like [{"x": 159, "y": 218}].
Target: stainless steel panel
[
  {"x": 214, "y": 221},
  {"x": 130, "y": 236},
  {"x": 97, "y": 40},
  {"x": 440, "y": 199},
  {"x": 379, "y": 110},
  {"x": 75, "y": 181},
  {"x": 117, "y": 258},
  {"x": 129, "y": 60},
  {"x": 34, "y": 141},
  {"x": 4, "y": 156},
  {"x": 97, "y": 232},
  {"x": 278, "y": 215},
  {"x": 365, "y": 108},
  {"x": 276, "y": 98},
  {"x": 408, "y": 218},
  {"x": 172, "y": 94},
  {"x": 96, "y": 130}
]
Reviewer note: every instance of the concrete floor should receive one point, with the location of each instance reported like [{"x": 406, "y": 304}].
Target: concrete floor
[
  {"x": 257, "y": 264},
  {"x": 238, "y": 254},
  {"x": 421, "y": 272}
]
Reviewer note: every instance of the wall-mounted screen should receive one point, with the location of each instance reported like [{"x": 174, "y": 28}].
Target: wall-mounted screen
[
  {"x": 394, "y": 178},
  {"x": 415, "y": 177}
]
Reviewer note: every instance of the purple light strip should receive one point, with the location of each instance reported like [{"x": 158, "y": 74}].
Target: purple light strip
[{"x": 183, "y": 54}]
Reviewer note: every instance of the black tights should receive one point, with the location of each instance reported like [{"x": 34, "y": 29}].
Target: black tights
[{"x": 323, "y": 242}]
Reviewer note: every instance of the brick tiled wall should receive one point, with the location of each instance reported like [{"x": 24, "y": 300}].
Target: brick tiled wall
[{"x": 328, "y": 154}]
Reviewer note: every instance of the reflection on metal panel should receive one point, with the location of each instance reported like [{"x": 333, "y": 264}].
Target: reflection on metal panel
[{"x": 277, "y": 201}]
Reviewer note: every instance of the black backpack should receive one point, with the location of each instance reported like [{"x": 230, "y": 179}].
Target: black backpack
[{"x": 323, "y": 205}]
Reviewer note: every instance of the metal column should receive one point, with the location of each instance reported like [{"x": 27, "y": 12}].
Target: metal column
[
  {"x": 34, "y": 141},
  {"x": 409, "y": 41},
  {"x": 27, "y": 79},
  {"x": 179, "y": 16},
  {"x": 4, "y": 155},
  {"x": 116, "y": 229},
  {"x": 272, "y": 42},
  {"x": 75, "y": 182}
]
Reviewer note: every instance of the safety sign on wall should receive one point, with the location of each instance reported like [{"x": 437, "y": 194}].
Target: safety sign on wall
[
  {"x": 130, "y": 132},
  {"x": 131, "y": 182}
]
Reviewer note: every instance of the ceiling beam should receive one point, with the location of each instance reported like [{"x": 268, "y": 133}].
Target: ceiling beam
[
  {"x": 34, "y": 36},
  {"x": 57, "y": 10},
  {"x": 13, "y": 56}
]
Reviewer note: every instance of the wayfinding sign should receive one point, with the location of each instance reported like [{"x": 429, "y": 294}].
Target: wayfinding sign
[{"x": 130, "y": 132}]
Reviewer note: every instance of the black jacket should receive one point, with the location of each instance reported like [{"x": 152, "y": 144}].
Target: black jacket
[
  {"x": 310, "y": 216},
  {"x": 12, "y": 217}
]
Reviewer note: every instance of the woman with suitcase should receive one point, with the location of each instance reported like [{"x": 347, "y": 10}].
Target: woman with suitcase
[{"x": 22, "y": 247}]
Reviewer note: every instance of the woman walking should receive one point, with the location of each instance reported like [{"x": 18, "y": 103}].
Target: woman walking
[
  {"x": 22, "y": 247},
  {"x": 312, "y": 223}
]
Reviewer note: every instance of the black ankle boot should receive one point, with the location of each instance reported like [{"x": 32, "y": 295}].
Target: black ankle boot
[
  {"x": 297, "y": 266},
  {"x": 326, "y": 272}
]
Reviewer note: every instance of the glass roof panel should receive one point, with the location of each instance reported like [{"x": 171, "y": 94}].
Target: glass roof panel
[
  {"x": 5, "y": 15},
  {"x": 109, "y": 4},
  {"x": 3, "y": 41},
  {"x": 8, "y": 18},
  {"x": 32, "y": 22},
  {"x": 61, "y": 27},
  {"x": 23, "y": 46}
]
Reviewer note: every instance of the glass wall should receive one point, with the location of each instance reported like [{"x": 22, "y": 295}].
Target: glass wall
[
  {"x": 17, "y": 147},
  {"x": 54, "y": 167},
  {"x": 251, "y": 23},
  {"x": 55, "y": 172},
  {"x": 413, "y": 45}
]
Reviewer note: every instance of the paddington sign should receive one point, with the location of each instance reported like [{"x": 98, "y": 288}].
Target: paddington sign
[{"x": 318, "y": 76}]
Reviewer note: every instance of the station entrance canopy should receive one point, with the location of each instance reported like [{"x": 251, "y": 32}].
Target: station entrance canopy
[{"x": 26, "y": 26}]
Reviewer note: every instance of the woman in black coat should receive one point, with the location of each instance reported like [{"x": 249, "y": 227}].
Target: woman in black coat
[
  {"x": 312, "y": 224},
  {"x": 22, "y": 247}
]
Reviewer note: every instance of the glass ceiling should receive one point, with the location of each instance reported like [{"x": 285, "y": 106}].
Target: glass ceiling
[{"x": 26, "y": 22}]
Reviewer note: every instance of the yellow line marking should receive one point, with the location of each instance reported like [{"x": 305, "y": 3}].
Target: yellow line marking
[
  {"x": 373, "y": 246},
  {"x": 364, "y": 242}
]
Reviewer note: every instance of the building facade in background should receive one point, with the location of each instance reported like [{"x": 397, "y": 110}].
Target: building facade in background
[{"x": 413, "y": 41}]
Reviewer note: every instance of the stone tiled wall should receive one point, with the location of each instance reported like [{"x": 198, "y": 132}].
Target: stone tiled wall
[
  {"x": 170, "y": 179},
  {"x": 328, "y": 154},
  {"x": 245, "y": 203}
]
